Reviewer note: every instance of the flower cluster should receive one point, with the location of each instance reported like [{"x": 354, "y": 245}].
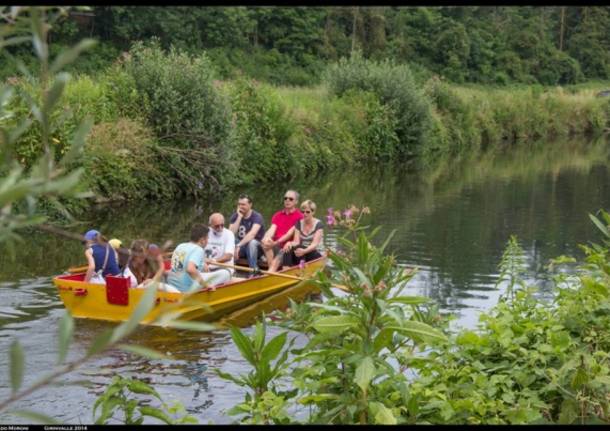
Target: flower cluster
[{"x": 347, "y": 218}]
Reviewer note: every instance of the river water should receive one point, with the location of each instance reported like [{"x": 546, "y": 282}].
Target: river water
[{"x": 452, "y": 222}]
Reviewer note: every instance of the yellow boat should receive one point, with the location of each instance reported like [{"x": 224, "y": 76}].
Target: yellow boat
[{"x": 115, "y": 301}]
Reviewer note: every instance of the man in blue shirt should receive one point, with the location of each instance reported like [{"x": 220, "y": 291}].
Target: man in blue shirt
[
  {"x": 189, "y": 270},
  {"x": 249, "y": 229}
]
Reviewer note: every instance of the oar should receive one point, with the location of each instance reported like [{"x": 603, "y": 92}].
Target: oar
[{"x": 276, "y": 274}]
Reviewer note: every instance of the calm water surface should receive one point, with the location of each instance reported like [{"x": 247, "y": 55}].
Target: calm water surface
[{"x": 452, "y": 222}]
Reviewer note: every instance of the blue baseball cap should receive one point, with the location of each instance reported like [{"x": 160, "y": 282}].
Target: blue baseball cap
[{"x": 90, "y": 235}]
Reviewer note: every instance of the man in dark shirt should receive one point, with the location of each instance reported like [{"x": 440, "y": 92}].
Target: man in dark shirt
[{"x": 249, "y": 229}]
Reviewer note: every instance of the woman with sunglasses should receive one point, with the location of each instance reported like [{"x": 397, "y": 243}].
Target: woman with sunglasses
[{"x": 308, "y": 237}]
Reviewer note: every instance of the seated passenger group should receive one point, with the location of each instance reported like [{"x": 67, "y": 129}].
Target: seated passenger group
[{"x": 207, "y": 260}]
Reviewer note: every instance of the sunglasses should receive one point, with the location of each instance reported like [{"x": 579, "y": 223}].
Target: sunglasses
[
  {"x": 218, "y": 226},
  {"x": 307, "y": 211},
  {"x": 288, "y": 198}
]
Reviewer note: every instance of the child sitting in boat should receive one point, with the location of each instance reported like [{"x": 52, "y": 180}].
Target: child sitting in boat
[
  {"x": 122, "y": 253},
  {"x": 189, "y": 269},
  {"x": 101, "y": 259},
  {"x": 145, "y": 264}
]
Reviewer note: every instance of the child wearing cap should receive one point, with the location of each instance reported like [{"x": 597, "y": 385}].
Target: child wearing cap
[
  {"x": 122, "y": 253},
  {"x": 101, "y": 258}
]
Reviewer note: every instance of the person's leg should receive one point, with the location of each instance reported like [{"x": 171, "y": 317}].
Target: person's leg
[
  {"x": 289, "y": 259},
  {"x": 167, "y": 288},
  {"x": 251, "y": 249},
  {"x": 312, "y": 255},
  {"x": 242, "y": 253},
  {"x": 277, "y": 261},
  {"x": 217, "y": 277},
  {"x": 269, "y": 254}
]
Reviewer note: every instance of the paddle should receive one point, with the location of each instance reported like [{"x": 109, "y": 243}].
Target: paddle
[{"x": 276, "y": 274}]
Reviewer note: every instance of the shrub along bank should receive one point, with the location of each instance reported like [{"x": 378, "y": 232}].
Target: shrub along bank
[
  {"x": 164, "y": 126},
  {"x": 376, "y": 355}
]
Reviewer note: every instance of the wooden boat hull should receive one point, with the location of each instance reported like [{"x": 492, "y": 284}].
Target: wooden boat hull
[{"x": 92, "y": 301}]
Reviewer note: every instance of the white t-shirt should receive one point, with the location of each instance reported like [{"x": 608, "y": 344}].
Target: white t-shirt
[
  {"x": 219, "y": 245},
  {"x": 128, "y": 274}
]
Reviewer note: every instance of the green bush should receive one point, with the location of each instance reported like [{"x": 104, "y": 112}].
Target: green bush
[
  {"x": 396, "y": 88},
  {"x": 122, "y": 90},
  {"x": 121, "y": 163},
  {"x": 325, "y": 137},
  {"x": 189, "y": 116},
  {"x": 262, "y": 130},
  {"x": 82, "y": 97},
  {"x": 529, "y": 360},
  {"x": 86, "y": 96},
  {"x": 458, "y": 118},
  {"x": 270, "y": 66},
  {"x": 557, "y": 67},
  {"x": 375, "y": 136}
]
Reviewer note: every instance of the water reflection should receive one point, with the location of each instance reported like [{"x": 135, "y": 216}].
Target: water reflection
[{"x": 452, "y": 221}]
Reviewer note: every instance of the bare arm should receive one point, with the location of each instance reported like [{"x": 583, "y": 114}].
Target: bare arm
[
  {"x": 235, "y": 225},
  {"x": 317, "y": 238},
  {"x": 161, "y": 269},
  {"x": 250, "y": 235},
  {"x": 287, "y": 235},
  {"x": 90, "y": 265},
  {"x": 270, "y": 232},
  {"x": 224, "y": 258},
  {"x": 192, "y": 270},
  {"x": 296, "y": 240}
]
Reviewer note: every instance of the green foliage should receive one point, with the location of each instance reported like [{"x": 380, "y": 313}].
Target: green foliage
[
  {"x": 555, "y": 45},
  {"x": 158, "y": 133},
  {"x": 529, "y": 361},
  {"x": 80, "y": 99},
  {"x": 266, "y": 403},
  {"x": 376, "y": 134},
  {"x": 512, "y": 267},
  {"x": 186, "y": 112},
  {"x": 262, "y": 131},
  {"x": 51, "y": 176},
  {"x": 603, "y": 225},
  {"x": 121, "y": 162},
  {"x": 121, "y": 396},
  {"x": 347, "y": 368},
  {"x": 47, "y": 176},
  {"x": 456, "y": 128},
  {"x": 396, "y": 88}
]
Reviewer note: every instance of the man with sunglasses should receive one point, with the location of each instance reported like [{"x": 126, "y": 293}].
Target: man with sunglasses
[
  {"x": 282, "y": 226},
  {"x": 220, "y": 247},
  {"x": 249, "y": 228}
]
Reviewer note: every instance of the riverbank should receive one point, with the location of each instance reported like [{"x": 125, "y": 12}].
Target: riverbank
[{"x": 159, "y": 134}]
